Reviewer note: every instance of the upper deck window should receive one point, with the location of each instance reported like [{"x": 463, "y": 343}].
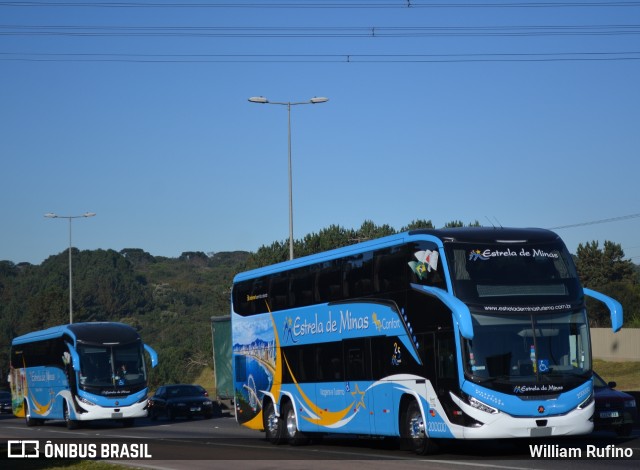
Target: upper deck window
[{"x": 490, "y": 273}]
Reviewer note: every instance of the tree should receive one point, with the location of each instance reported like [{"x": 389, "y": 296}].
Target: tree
[
  {"x": 417, "y": 224},
  {"x": 369, "y": 231},
  {"x": 606, "y": 271},
  {"x": 459, "y": 223},
  {"x": 598, "y": 267}
]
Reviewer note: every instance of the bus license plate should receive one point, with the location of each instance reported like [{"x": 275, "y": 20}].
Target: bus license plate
[
  {"x": 609, "y": 414},
  {"x": 540, "y": 432},
  {"x": 116, "y": 415}
]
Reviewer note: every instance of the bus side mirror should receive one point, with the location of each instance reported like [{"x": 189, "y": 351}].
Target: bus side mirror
[
  {"x": 152, "y": 354},
  {"x": 459, "y": 310},
  {"x": 615, "y": 308},
  {"x": 75, "y": 358}
]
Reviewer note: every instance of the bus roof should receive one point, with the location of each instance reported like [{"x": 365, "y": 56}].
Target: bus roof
[
  {"x": 91, "y": 333},
  {"x": 490, "y": 234},
  {"x": 438, "y": 236}
]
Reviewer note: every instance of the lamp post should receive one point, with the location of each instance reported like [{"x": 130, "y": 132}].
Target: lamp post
[
  {"x": 51, "y": 215},
  {"x": 288, "y": 104}
]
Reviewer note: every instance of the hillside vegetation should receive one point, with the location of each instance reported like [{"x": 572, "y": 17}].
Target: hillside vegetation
[{"x": 171, "y": 300}]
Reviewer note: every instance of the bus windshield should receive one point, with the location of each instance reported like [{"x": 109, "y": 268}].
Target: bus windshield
[
  {"x": 108, "y": 367},
  {"x": 529, "y": 348},
  {"x": 513, "y": 273}
]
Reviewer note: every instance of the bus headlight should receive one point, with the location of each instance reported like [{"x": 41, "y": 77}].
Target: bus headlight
[
  {"x": 477, "y": 404},
  {"x": 85, "y": 401},
  {"x": 586, "y": 403}
]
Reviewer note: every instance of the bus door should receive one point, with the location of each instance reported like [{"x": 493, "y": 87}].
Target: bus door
[{"x": 443, "y": 346}]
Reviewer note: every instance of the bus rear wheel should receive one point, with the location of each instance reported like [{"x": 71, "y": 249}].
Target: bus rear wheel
[
  {"x": 293, "y": 435},
  {"x": 414, "y": 431},
  {"x": 273, "y": 424}
]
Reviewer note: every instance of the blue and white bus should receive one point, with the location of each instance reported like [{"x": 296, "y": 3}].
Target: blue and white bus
[
  {"x": 463, "y": 333},
  {"x": 80, "y": 372}
]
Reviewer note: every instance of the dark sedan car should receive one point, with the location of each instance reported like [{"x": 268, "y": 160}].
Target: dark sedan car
[
  {"x": 180, "y": 400},
  {"x": 614, "y": 410},
  {"x": 5, "y": 402}
]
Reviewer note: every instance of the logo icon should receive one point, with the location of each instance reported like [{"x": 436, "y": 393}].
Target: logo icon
[
  {"x": 476, "y": 255},
  {"x": 23, "y": 449}
]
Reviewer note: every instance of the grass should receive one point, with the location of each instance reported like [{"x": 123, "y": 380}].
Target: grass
[
  {"x": 207, "y": 380},
  {"x": 625, "y": 374}
]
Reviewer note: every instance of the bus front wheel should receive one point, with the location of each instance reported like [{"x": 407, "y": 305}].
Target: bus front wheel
[
  {"x": 71, "y": 423},
  {"x": 29, "y": 421},
  {"x": 414, "y": 432},
  {"x": 293, "y": 435},
  {"x": 273, "y": 424}
]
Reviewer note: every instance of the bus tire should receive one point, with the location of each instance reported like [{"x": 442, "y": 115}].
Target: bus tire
[
  {"x": 292, "y": 434},
  {"x": 413, "y": 430},
  {"x": 29, "y": 421},
  {"x": 71, "y": 423},
  {"x": 273, "y": 424}
]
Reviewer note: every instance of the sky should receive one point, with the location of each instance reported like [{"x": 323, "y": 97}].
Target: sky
[{"x": 504, "y": 112}]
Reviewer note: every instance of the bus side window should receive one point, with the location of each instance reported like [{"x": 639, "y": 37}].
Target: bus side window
[
  {"x": 389, "y": 269},
  {"x": 355, "y": 365},
  {"x": 446, "y": 358},
  {"x": 357, "y": 359},
  {"x": 329, "y": 362},
  {"x": 329, "y": 284},
  {"x": 301, "y": 288},
  {"x": 359, "y": 275}
]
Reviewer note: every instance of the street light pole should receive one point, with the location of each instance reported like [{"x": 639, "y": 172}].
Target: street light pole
[
  {"x": 51, "y": 215},
  {"x": 288, "y": 104}
]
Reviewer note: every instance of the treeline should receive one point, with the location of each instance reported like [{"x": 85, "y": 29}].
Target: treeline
[{"x": 171, "y": 300}]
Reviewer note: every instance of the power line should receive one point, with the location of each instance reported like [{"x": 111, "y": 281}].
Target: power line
[
  {"x": 398, "y": 4},
  {"x": 594, "y": 222},
  {"x": 317, "y": 58},
  {"x": 318, "y": 32}
]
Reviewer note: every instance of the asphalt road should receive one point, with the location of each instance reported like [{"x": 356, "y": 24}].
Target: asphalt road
[{"x": 222, "y": 443}]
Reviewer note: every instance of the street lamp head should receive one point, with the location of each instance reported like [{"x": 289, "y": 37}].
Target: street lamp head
[
  {"x": 258, "y": 99},
  {"x": 319, "y": 99},
  {"x": 88, "y": 214},
  {"x": 50, "y": 215}
]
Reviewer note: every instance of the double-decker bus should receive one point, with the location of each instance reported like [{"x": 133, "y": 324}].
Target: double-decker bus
[
  {"x": 80, "y": 372},
  {"x": 462, "y": 333}
]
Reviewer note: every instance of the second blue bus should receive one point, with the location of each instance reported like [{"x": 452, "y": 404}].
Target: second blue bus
[{"x": 80, "y": 372}]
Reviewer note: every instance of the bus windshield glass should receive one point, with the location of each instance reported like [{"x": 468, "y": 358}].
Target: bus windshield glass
[
  {"x": 533, "y": 348},
  {"x": 109, "y": 367},
  {"x": 513, "y": 274}
]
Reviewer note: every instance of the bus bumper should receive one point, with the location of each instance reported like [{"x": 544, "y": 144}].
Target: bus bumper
[
  {"x": 137, "y": 410},
  {"x": 502, "y": 425}
]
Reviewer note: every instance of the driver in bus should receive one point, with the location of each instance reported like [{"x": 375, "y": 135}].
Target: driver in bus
[{"x": 120, "y": 375}]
